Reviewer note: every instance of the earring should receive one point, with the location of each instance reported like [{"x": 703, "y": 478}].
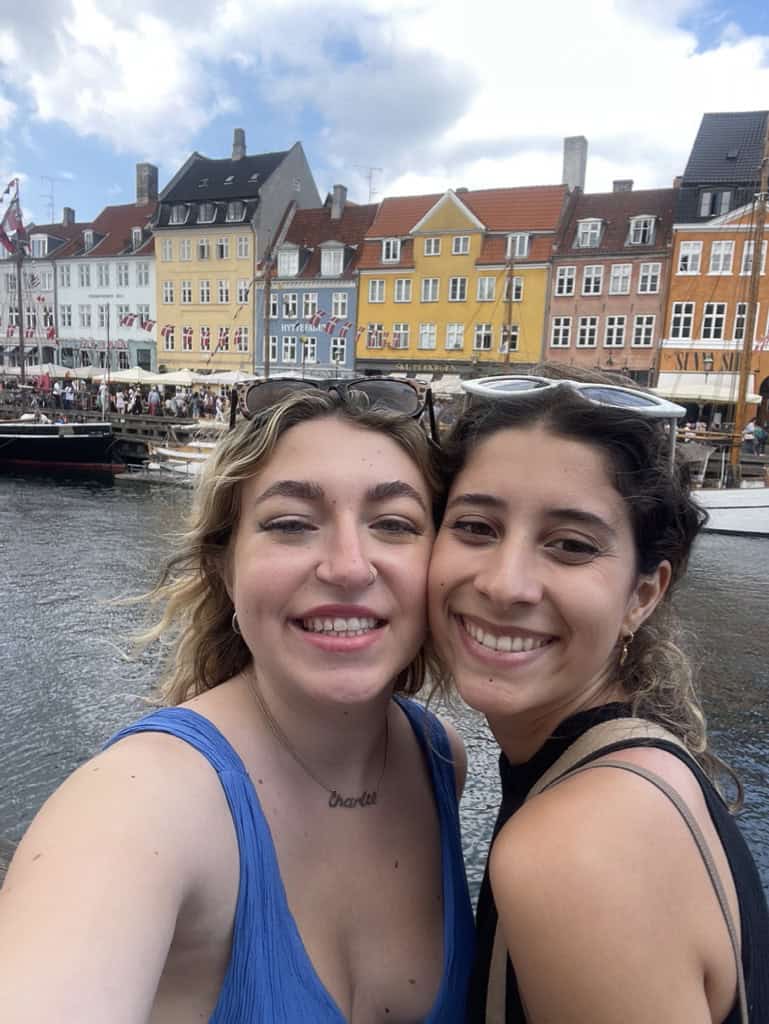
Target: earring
[
  {"x": 235, "y": 624},
  {"x": 626, "y": 642},
  {"x": 372, "y": 575}
]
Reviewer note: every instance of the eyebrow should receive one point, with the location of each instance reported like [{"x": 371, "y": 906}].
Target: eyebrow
[
  {"x": 578, "y": 515},
  {"x": 308, "y": 490}
]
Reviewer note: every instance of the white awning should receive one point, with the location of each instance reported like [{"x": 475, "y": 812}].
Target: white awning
[{"x": 704, "y": 387}]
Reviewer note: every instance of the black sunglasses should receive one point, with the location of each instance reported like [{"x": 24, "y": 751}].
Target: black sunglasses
[{"x": 383, "y": 392}]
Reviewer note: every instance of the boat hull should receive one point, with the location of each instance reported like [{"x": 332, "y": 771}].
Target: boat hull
[
  {"x": 740, "y": 511},
  {"x": 69, "y": 449}
]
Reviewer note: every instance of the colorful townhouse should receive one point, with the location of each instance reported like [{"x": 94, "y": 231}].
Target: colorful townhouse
[
  {"x": 216, "y": 219},
  {"x": 610, "y": 269},
  {"x": 457, "y": 283},
  {"x": 312, "y": 291}
]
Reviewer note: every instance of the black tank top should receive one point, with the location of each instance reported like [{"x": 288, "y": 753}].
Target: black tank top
[{"x": 518, "y": 779}]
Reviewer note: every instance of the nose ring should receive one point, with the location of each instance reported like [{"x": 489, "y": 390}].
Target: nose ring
[{"x": 372, "y": 575}]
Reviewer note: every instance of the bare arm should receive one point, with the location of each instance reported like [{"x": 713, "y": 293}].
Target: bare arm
[
  {"x": 91, "y": 899},
  {"x": 459, "y": 754}
]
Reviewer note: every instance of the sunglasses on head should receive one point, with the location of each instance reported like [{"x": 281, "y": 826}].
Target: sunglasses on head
[{"x": 380, "y": 392}]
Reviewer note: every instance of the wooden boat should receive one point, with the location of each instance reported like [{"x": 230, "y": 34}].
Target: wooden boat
[{"x": 69, "y": 449}]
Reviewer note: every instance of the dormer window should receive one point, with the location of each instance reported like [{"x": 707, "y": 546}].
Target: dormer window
[
  {"x": 588, "y": 234},
  {"x": 137, "y": 237},
  {"x": 288, "y": 262},
  {"x": 254, "y": 178},
  {"x": 178, "y": 214},
  {"x": 39, "y": 245},
  {"x": 331, "y": 261},
  {"x": 236, "y": 210},
  {"x": 203, "y": 183},
  {"x": 88, "y": 240},
  {"x": 641, "y": 231},
  {"x": 229, "y": 179},
  {"x": 207, "y": 213},
  {"x": 517, "y": 246},
  {"x": 391, "y": 250}
]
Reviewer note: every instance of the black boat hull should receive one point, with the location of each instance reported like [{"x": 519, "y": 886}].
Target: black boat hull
[{"x": 71, "y": 449}]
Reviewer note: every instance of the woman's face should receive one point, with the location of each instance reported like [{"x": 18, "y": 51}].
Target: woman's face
[
  {"x": 334, "y": 504},
  {"x": 533, "y": 578}
]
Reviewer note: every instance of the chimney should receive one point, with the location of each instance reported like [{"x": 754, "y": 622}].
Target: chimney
[
  {"x": 338, "y": 200},
  {"x": 68, "y": 215},
  {"x": 238, "y": 144},
  {"x": 678, "y": 181},
  {"x": 574, "y": 162},
  {"x": 622, "y": 185},
  {"x": 146, "y": 184}
]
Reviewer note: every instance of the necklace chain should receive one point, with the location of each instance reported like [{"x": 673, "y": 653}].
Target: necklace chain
[{"x": 367, "y": 798}]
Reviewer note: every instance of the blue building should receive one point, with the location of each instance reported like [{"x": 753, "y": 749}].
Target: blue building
[{"x": 313, "y": 291}]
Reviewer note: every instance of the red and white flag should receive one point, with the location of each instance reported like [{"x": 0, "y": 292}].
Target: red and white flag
[
  {"x": 761, "y": 344},
  {"x": 29, "y": 332},
  {"x": 224, "y": 337},
  {"x": 147, "y": 324},
  {"x": 127, "y": 320},
  {"x": 187, "y": 334},
  {"x": 51, "y": 333},
  {"x": 10, "y": 331},
  {"x": 361, "y": 330},
  {"x": 330, "y": 325},
  {"x": 345, "y": 329},
  {"x": 166, "y": 329},
  {"x": 316, "y": 317}
]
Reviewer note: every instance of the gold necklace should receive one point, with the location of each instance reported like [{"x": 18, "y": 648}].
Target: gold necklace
[{"x": 367, "y": 798}]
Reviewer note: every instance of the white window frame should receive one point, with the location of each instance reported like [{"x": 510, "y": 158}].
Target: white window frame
[
  {"x": 185, "y": 292},
  {"x": 168, "y": 293},
  {"x": 588, "y": 233},
  {"x": 592, "y": 272},
  {"x": 204, "y": 249},
  {"x": 391, "y": 250},
  {"x": 427, "y": 286},
  {"x": 65, "y": 315},
  {"x": 642, "y": 230},
  {"x": 374, "y": 335},
  {"x": 309, "y": 304},
  {"x": 223, "y": 248},
  {"x": 339, "y": 304},
  {"x": 243, "y": 247},
  {"x": 309, "y": 345},
  {"x": 689, "y": 258},
  {"x": 683, "y": 312},
  {"x": 721, "y": 256},
  {"x": 483, "y": 337},
  {"x": 241, "y": 338},
  {"x": 713, "y": 321},
  {"x": 460, "y": 245},
  {"x": 338, "y": 353},
  {"x": 289, "y": 306},
  {"x": 65, "y": 277},
  {"x": 400, "y": 335},
  {"x": 565, "y": 280},
  {"x": 643, "y": 330},
  {"x": 455, "y": 337},
  {"x": 428, "y": 336},
  {"x": 274, "y": 305},
  {"x": 516, "y": 283},
  {"x": 331, "y": 261},
  {"x": 619, "y": 278},
  {"x": 236, "y": 211},
  {"x": 376, "y": 290},
  {"x": 560, "y": 332},
  {"x": 517, "y": 246},
  {"x": 432, "y": 247},
  {"x": 289, "y": 348},
  {"x": 614, "y": 331},
  {"x": 205, "y": 338},
  {"x": 122, "y": 275},
  {"x": 142, "y": 275},
  {"x": 457, "y": 289},
  {"x": 509, "y": 336},
  {"x": 288, "y": 262},
  {"x": 102, "y": 275},
  {"x": 84, "y": 275},
  {"x": 204, "y": 292},
  {"x": 244, "y": 290},
  {"x": 486, "y": 289},
  {"x": 402, "y": 289},
  {"x": 179, "y": 213},
  {"x": 84, "y": 314},
  {"x": 167, "y": 250},
  {"x": 587, "y": 331},
  {"x": 223, "y": 291},
  {"x": 185, "y": 249},
  {"x": 747, "y": 257},
  {"x": 274, "y": 348},
  {"x": 187, "y": 335},
  {"x": 648, "y": 274}
]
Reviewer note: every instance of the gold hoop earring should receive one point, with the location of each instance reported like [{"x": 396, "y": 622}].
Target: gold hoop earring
[
  {"x": 626, "y": 642},
  {"x": 235, "y": 624}
]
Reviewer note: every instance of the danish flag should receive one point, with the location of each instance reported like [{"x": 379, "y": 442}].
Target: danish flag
[
  {"x": 330, "y": 326},
  {"x": 316, "y": 317},
  {"x": 127, "y": 320},
  {"x": 166, "y": 330},
  {"x": 51, "y": 333},
  {"x": 147, "y": 324},
  {"x": 205, "y": 337},
  {"x": 187, "y": 334}
]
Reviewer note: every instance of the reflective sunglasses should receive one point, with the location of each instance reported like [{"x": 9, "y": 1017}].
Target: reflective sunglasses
[{"x": 380, "y": 392}]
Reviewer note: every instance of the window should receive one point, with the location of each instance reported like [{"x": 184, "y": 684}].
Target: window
[
  {"x": 682, "y": 319},
  {"x": 706, "y": 204},
  {"x": 46, "y": 280},
  {"x": 203, "y": 249},
  {"x": 391, "y": 250},
  {"x": 309, "y": 304},
  {"x": 185, "y": 289},
  {"x": 243, "y": 247},
  {"x": 120, "y": 312},
  {"x": 376, "y": 291},
  {"x": 339, "y": 304},
  {"x": 429, "y": 289},
  {"x": 168, "y": 292},
  {"x": 560, "y": 332},
  {"x": 689, "y": 255},
  {"x": 288, "y": 263},
  {"x": 400, "y": 336},
  {"x": 455, "y": 337},
  {"x": 588, "y": 234},
  {"x": 204, "y": 291},
  {"x": 619, "y": 280},
  {"x": 517, "y": 246},
  {"x": 137, "y": 237},
  {"x": 740, "y": 319},
  {"x": 309, "y": 349},
  {"x": 187, "y": 339},
  {"x": 649, "y": 279},
  {"x": 460, "y": 245},
  {"x": 721, "y": 257},
  {"x": 223, "y": 342},
  {"x": 514, "y": 284},
  {"x": 205, "y": 339},
  {"x": 223, "y": 291},
  {"x": 564, "y": 280},
  {"x": 403, "y": 289},
  {"x": 374, "y": 336},
  {"x": 236, "y": 210},
  {"x": 641, "y": 231},
  {"x": 713, "y": 318},
  {"x": 274, "y": 303},
  {"x": 331, "y": 261},
  {"x": 84, "y": 275},
  {"x": 30, "y": 317},
  {"x": 122, "y": 275},
  {"x": 65, "y": 278},
  {"x": 592, "y": 280},
  {"x": 289, "y": 306},
  {"x": 747, "y": 257},
  {"x": 643, "y": 330},
  {"x": 142, "y": 275},
  {"x": 243, "y": 290},
  {"x": 102, "y": 358},
  {"x": 13, "y": 316},
  {"x": 123, "y": 362},
  {"x": 427, "y": 335},
  {"x": 223, "y": 249},
  {"x": 143, "y": 311},
  {"x": 482, "y": 338},
  {"x": 178, "y": 214},
  {"x": 338, "y": 350},
  {"x": 241, "y": 340},
  {"x": 274, "y": 348},
  {"x": 508, "y": 338},
  {"x": 457, "y": 289},
  {"x": 102, "y": 313},
  {"x": 47, "y": 316},
  {"x": 185, "y": 249},
  {"x": 39, "y": 246},
  {"x": 88, "y": 238},
  {"x": 432, "y": 247},
  {"x": 587, "y": 332},
  {"x": 10, "y": 282},
  {"x": 724, "y": 202},
  {"x": 614, "y": 332},
  {"x": 166, "y": 250},
  {"x": 85, "y": 358},
  {"x": 84, "y": 316},
  {"x": 486, "y": 288},
  {"x": 169, "y": 338}
]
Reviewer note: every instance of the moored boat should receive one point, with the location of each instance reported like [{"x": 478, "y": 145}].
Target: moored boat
[{"x": 70, "y": 449}]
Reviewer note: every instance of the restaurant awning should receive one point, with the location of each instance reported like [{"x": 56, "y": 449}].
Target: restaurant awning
[{"x": 719, "y": 388}]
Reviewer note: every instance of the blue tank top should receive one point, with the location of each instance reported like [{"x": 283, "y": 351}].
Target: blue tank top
[{"x": 270, "y": 977}]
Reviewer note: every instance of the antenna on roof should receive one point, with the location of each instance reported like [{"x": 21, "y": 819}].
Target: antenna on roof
[
  {"x": 369, "y": 176},
  {"x": 50, "y": 195}
]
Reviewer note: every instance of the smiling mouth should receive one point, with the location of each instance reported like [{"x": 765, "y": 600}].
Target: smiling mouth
[
  {"x": 339, "y": 627},
  {"x": 503, "y": 642}
]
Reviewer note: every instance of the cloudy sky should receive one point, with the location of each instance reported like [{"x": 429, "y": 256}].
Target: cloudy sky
[{"x": 403, "y": 95}]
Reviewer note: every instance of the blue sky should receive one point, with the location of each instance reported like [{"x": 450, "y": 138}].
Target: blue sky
[{"x": 431, "y": 93}]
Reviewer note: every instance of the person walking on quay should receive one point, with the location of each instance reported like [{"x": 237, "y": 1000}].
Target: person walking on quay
[
  {"x": 119, "y": 402},
  {"x": 281, "y": 843},
  {"x": 69, "y": 395},
  {"x": 153, "y": 401},
  {"x": 618, "y": 886}
]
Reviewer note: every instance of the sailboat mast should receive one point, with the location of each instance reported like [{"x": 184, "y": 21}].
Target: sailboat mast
[
  {"x": 740, "y": 410},
  {"x": 19, "y": 301}
]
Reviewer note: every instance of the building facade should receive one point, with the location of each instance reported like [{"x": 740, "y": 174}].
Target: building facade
[
  {"x": 458, "y": 282},
  {"x": 312, "y": 291},
  {"x": 610, "y": 270},
  {"x": 215, "y": 221}
]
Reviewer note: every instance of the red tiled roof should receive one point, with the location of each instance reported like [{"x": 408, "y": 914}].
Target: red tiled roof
[
  {"x": 370, "y": 257},
  {"x": 531, "y": 208},
  {"x": 114, "y": 223},
  {"x": 313, "y": 226},
  {"x": 615, "y": 209},
  {"x": 494, "y": 249}
]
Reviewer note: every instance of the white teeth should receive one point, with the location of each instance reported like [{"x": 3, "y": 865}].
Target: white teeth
[
  {"x": 340, "y": 627},
  {"x": 514, "y": 644}
]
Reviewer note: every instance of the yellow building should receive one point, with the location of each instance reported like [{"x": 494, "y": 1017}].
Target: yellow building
[{"x": 450, "y": 282}]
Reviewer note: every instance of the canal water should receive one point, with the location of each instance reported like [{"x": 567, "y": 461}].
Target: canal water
[{"x": 66, "y": 550}]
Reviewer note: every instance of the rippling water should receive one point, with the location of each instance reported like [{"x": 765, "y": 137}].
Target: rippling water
[{"x": 67, "y": 549}]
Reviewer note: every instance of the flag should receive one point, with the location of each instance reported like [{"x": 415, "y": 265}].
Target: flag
[
  {"x": 224, "y": 337},
  {"x": 12, "y": 222},
  {"x": 760, "y": 344},
  {"x": 330, "y": 325},
  {"x": 39, "y": 298},
  {"x": 127, "y": 320},
  {"x": 51, "y": 334},
  {"x": 166, "y": 329},
  {"x": 6, "y": 242},
  {"x": 187, "y": 335},
  {"x": 33, "y": 281},
  {"x": 29, "y": 332},
  {"x": 316, "y": 317},
  {"x": 361, "y": 330},
  {"x": 10, "y": 331},
  {"x": 205, "y": 337},
  {"x": 13, "y": 183},
  {"x": 344, "y": 329},
  {"x": 146, "y": 324}
]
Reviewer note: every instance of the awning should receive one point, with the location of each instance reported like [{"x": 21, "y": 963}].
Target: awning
[{"x": 720, "y": 388}]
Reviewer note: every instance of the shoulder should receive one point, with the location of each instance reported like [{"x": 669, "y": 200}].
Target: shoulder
[{"x": 429, "y": 721}]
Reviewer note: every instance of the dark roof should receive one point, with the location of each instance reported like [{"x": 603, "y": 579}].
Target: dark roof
[
  {"x": 112, "y": 233},
  {"x": 310, "y": 228},
  {"x": 204, "y": 179},
  {"x": 728, "y": 148},
  {"x": 615, "y": 210}
]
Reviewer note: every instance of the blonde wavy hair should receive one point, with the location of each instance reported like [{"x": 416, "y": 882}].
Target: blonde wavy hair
[{"x": 196, "y": 620}]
